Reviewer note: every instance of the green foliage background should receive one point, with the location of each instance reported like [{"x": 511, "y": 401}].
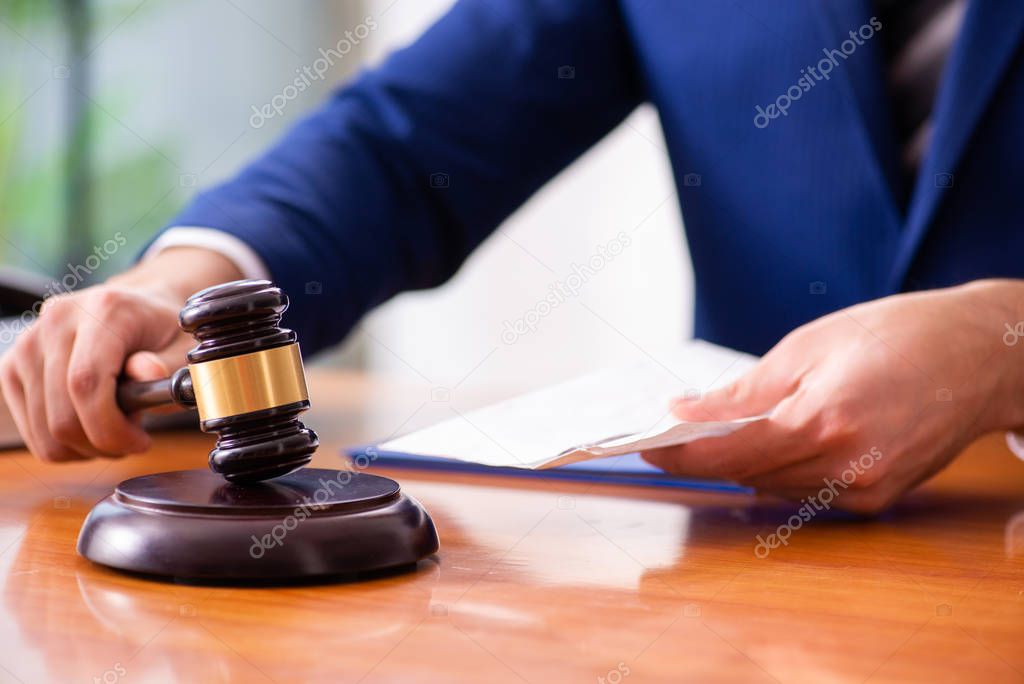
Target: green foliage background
[{"x": 39, "y": 230}]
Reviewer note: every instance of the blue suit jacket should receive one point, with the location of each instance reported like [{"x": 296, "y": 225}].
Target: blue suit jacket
[{"x": 791, "y": 220}]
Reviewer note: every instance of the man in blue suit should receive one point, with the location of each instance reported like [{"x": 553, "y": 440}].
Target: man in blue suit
[{"x": 857, "y": 212}]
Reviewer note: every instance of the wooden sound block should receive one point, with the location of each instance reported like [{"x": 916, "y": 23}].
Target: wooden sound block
[{"x": 192, "y": 524}]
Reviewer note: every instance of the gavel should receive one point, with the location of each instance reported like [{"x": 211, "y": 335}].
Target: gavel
[{"x": 245, "y": 377}]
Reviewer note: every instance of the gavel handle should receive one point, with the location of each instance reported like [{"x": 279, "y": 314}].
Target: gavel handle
[{"x": 133, "y": 395}]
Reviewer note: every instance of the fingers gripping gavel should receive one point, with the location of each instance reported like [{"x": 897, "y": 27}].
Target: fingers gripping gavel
[{"x": 245, "y": 377}]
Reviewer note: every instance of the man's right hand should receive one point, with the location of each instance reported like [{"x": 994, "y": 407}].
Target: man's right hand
[{"x": 59, "y": 380}]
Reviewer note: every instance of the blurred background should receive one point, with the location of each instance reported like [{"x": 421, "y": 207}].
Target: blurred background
[{"x": 114, "y": 112}]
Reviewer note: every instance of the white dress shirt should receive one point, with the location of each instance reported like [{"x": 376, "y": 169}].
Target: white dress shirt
[{"x": 235, "y": 250}]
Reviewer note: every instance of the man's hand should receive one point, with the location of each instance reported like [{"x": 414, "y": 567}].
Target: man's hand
[
  {"x": 60, "y": 377},
  {"x": 908, "y": 381}
]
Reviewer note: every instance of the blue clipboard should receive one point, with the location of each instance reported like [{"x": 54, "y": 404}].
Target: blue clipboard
[{"x": 629, "y": 469}]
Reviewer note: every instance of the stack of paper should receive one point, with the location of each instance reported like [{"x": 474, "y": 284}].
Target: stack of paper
[{"x": 611, "y": 412}]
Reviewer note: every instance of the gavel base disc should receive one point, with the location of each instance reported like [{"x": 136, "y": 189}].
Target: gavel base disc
[{"x": 192, "y": 524}]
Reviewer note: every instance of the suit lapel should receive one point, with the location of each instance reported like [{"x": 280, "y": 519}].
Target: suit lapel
[
  {"x": 990, "y": 33},
  {"x": 862, "y": 80}
]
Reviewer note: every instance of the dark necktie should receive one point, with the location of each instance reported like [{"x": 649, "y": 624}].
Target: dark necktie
[{"x": 917, "y": 36}]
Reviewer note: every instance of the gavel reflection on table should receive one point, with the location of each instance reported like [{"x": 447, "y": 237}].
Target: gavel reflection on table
[{"x": 258, "y": 515}]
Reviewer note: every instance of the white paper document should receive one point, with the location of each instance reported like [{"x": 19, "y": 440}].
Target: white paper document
[{"x": 608, "y": 413}]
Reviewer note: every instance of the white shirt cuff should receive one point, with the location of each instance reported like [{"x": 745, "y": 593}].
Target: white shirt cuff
[
  {"x": 1015, "y": 441},
  {"x": 238, "y": 252}
]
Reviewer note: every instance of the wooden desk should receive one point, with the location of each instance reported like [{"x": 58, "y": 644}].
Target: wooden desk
[{"x": 537, "y": 583}]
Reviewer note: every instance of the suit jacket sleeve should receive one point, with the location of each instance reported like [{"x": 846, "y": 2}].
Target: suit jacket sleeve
[{"x": 404, "y": 171}]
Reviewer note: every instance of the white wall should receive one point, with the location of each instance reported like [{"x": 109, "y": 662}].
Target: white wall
[{"x": 642, "y": 299}]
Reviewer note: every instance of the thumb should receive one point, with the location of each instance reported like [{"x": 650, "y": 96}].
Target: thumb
[
  {"x": 149, "y": 365},
  {"x": 146, "y": 366},
  {"x": 757, "y": 392}
]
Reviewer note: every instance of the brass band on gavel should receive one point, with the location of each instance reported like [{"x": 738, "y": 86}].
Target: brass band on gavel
[{"x": 251, "y": 382}]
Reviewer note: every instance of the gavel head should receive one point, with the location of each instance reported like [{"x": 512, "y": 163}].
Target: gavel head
[{"x": 246, "y": 374}]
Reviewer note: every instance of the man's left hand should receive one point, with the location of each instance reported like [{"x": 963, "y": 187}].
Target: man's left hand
[{"x": 880, "y": 396}]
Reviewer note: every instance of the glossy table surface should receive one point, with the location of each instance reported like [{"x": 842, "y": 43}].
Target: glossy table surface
[{"x": 536, "y": 582}]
